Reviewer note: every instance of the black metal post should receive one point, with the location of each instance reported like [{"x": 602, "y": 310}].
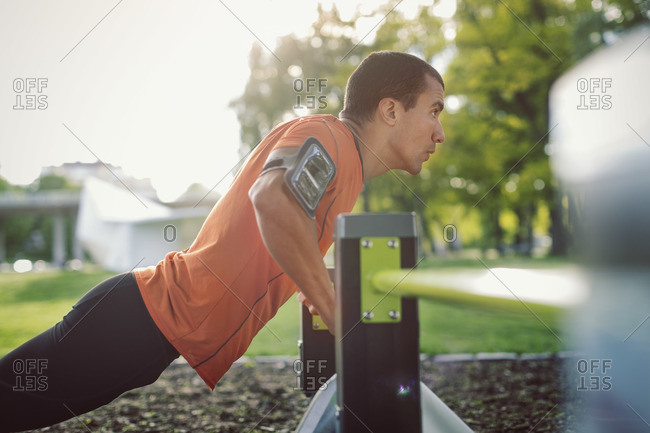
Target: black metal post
[{"x": 377, "y": 364}]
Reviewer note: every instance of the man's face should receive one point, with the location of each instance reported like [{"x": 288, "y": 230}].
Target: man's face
[{"x": 419, "y": 129}]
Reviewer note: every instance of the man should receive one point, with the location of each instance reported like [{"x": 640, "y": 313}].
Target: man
[{"x": 264, "y": 239}]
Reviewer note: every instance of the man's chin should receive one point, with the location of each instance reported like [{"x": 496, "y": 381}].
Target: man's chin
[{"x": 412, "y": 170}]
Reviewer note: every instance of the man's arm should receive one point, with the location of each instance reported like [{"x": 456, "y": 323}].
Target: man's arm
[{"x": 291, "y": 237}]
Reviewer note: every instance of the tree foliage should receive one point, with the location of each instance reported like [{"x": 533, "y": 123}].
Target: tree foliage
[
  {"x": 504, "y": 57},
  {"x": 302, "y": 76},
  {"x": 31, "y": 235}
]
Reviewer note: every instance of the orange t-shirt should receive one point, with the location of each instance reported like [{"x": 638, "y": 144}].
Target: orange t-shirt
[{"x": 211, "y": 299}]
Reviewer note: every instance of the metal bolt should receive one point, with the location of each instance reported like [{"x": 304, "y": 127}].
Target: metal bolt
[
  {"x": 338, "y": 411},
  {"x": 393, "y": 314},
  {"x": 368, "y": 315},
  {"x": 393, "y": 243},
  {"x": 366, "y": 243},
  {"x": 315, "y": 325}
]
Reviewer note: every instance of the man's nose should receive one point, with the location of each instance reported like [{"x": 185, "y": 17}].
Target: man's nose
[{"x": 438, "y": 135}]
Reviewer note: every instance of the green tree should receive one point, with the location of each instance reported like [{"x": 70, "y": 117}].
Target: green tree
[
  {"x": 16, "y": 228},
  {"x": 506, "y": 55},
  {"x": 43, "y": 225},
  {"x": 302, "y": 76},
  {"x": 593, "y": 21}
]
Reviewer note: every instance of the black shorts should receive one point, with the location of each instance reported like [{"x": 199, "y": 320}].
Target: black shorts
[{"x": 106, "y": 345}]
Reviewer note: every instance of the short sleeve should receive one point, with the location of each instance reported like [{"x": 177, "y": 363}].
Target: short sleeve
[{"x": 296, "y": 135}]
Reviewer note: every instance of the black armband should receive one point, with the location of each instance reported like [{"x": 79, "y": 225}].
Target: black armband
[{"x": 308, "y": 173}]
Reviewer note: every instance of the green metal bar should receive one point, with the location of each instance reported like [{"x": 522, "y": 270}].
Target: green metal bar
[
  {"x": 511, "y": 289},
  {"x": 378, "y": 253}
]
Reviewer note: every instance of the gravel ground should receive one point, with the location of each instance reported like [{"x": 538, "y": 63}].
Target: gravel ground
[{"x": 490, "y": 396}]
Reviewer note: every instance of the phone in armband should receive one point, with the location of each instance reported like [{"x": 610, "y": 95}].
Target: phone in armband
[{"x": 309, "y": 175}]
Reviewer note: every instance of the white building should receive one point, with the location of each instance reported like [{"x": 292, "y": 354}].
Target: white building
[{"x": 122, "y": 230}]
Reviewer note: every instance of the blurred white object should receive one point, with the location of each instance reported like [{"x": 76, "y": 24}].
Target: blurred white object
[
  {"x": 23, "y": 265},
  {"x": 601, "y": 157},
  {"x": 599, "y": 107}
]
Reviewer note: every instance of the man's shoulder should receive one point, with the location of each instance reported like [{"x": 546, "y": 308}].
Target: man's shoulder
[
  {"x": 329, "y": 130},
  {"x": 322, "y": 126},
  {"x": 317, "y": 121}
]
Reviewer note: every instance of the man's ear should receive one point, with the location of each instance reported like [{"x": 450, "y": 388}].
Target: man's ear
[{"x": 387, "y": 111}]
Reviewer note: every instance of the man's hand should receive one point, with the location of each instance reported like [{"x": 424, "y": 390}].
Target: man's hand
[
  {"x": 312, "y": 310},
  {"x": 291, "y": 237}
]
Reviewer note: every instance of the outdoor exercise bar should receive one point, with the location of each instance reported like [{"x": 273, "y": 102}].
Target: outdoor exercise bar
[{"x": 375, "y": 353}]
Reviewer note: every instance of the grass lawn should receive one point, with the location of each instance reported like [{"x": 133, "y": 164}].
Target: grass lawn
[{"x": 31, "y": 303}]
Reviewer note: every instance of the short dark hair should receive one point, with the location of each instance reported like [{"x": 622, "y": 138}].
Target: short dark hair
[{"x": 385, "y": 74}]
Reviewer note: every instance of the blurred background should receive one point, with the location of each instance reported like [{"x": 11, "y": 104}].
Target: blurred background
[
  {"x": 122, "y": 123},
  {"x": 160, "y": 103}
]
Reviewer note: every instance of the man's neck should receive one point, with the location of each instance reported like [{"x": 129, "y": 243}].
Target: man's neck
[{"x": 373, "y": 164}]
